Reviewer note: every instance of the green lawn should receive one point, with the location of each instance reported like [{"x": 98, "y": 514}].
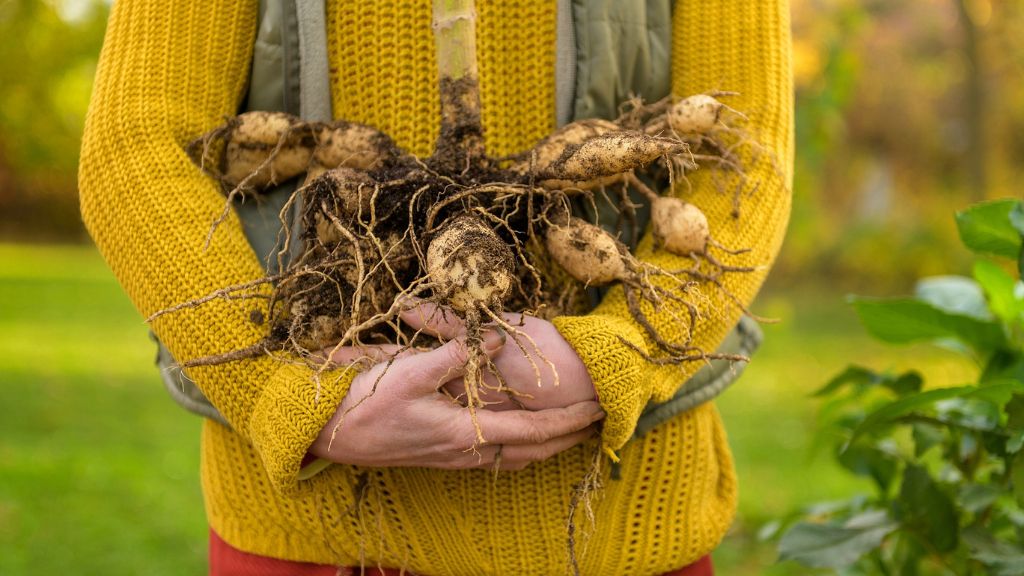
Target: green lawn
[{"x": 99, "y": 469}]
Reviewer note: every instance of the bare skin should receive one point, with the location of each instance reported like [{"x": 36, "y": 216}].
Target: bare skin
[
  {"x": 519, "y": 370},
  {"x": 407, "y": 421}
]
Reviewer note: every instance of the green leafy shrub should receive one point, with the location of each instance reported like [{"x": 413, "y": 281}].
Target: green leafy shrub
[{"x": 946, "y": 464}]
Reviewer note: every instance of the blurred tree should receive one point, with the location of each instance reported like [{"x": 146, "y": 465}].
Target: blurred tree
[
  {"x": 972, "y": 13},
  {"x": 904, "y": 108},
  {"x": 48, "y": 53}
]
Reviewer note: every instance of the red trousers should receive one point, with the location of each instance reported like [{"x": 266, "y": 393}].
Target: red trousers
[{"x": 228, "y": 561}]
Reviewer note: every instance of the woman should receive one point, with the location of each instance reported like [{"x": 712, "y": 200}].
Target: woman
[{"x": 406, "y": 493}]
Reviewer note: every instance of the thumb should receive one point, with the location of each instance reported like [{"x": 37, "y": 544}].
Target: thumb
[
  {"x": 438, "y": 321},
  {"x": 435, "y": 368}
]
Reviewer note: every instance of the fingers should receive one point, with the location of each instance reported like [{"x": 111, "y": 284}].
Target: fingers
[
  {"x": 433, "y": 368},
  {"x": 517, "y": 457},
  {"x": 516, "y": 427},
  {"x": 348, "y": 354},
  {"x": 432, "y": 319}
]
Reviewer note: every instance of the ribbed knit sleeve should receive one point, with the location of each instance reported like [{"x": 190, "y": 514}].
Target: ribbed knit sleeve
[
  {"x": 169, "y": 71},
  {"x": 732, "y": 45}
]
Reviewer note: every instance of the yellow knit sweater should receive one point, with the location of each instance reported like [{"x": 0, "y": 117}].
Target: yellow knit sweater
[{"x": 172, "y": 70}]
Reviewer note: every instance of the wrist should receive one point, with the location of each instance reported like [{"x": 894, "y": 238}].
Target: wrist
[{"x": 616, "y": 369}]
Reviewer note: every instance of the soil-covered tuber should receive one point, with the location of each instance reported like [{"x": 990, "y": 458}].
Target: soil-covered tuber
[
  {"x": 471, "y": 267},
  {"x": 679, "y": 227}
]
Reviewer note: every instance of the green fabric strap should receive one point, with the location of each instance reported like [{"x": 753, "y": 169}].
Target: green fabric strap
[{"x": 623, "y": 48}]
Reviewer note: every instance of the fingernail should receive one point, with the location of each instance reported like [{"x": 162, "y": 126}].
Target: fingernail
[{"x": 493, "y": 340}]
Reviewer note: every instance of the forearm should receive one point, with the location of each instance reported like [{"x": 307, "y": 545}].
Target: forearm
[
  {"x": 168, "y": 72},
  {"x": 718, "y": 45}
]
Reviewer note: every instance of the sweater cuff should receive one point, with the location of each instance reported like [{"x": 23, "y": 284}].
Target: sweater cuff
[
  {"x": 616, "y": 369},
  {"x": 289, "y": 415}
]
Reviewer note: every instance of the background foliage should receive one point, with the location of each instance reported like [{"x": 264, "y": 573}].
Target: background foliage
[
  {"x": 946, "y": 463},
  {"x": 906, "y": 110}
]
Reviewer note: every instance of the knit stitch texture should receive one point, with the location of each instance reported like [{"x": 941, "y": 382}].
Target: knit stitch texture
[{"x": 172, "y": 70}]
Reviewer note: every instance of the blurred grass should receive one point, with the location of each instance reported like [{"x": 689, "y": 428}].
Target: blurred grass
[{"x": 99, "y": 469}]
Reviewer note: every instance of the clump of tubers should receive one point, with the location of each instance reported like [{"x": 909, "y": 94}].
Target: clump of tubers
[
  {"x": 464, "y": 230},
  {"x": 258, "y": 150},
  {"x": 380, "y": 225}
]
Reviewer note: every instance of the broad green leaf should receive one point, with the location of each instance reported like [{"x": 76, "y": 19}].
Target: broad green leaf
[
  {"x": 905, "y": 405},
  {"x": 969, "y": 412},
  {"x": 1017, "y": 477},
  {"x": 986, "y": 228},
  {"x": 976, "y": 497},
  {"x": 902, "y": 320},
  {"x": 910, "y": 403},
  {"x": 1000, "y": 289},
  {"x": 872, "y": 462},
  {"x": 954, "y": 294},
  {"x": 1001, "y": 558},
  {"x": 860, "y": 378},
  {"x": 1017, "y": 217},
  {"x": 925, "y": 436},
  {"x": 835, "y": 545},
  {"x": 926, "y": 510}
]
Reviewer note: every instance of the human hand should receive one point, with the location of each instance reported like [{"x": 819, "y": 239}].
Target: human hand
[
  {"x": 540, "y": 369},
  {"x": 394, "y": 415}
]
